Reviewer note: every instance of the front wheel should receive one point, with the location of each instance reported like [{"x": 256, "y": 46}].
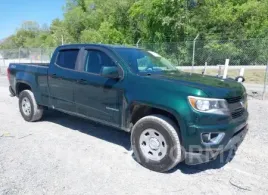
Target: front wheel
[
  {"x": 29, "y": 109},
  {"x": 155, "y": 143}
]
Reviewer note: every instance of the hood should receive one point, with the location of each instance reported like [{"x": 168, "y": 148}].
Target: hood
[{"x": 214, "y": 87}]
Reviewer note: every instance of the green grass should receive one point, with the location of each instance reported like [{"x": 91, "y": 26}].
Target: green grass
[{"x": 255, "y": 76}]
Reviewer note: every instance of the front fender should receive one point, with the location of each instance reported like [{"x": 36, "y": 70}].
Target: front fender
[{"x": 177, "y": 113}]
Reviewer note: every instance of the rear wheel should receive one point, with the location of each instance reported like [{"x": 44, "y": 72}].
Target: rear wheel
[
  {"x": 156, "y": 143},
  {"x": 29, "y": 109}
]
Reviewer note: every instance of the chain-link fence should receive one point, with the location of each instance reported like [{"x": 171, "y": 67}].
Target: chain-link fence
[
  {"x": 240, "y": 52},
  {"x": 24, "y": 55},
  {"x": 251, "y": 54}
]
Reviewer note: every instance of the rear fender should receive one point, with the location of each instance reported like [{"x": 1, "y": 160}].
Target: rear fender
[{"x": 31, "y": 80}]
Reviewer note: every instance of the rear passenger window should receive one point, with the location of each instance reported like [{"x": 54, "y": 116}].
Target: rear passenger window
[{"x": 67, "y": 58}]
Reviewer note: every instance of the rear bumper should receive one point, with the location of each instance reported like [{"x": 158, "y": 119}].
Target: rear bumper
[
  {"x": 12, "y": 92},
  {"x": 203, "y": 156}
]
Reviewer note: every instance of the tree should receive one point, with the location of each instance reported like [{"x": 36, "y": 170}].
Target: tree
[
  {"x": 75, "y": 22},
  {"x": 59, "y": 33},
  {"x": 110, "y": 35},
  {"x": 91, "y": 36},
  {"x": 166, "y": 26}
]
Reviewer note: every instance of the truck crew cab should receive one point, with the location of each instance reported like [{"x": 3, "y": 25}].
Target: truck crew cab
[{"x": 172, "y": 116}]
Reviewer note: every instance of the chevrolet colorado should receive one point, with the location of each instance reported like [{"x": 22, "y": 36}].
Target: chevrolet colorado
[{"x": 172, "y": 116}]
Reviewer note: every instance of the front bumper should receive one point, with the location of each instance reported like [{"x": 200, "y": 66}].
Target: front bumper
[{"x": 206, "y": 155}]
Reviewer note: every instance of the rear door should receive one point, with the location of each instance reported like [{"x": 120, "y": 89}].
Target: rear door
[
  {"x": 62, "y": 79},
  {"x": 98, "y": 97}
]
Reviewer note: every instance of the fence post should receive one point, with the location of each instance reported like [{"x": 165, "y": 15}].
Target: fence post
[
  {"x": 19, "y": 54},
  {"x": 219, "y": 71},
  {"x": 137, "y": 44},
  {"x": 241, "y": 72},
  {"x": 225, "y": 68},
  {"x": 265, "y": 82},
  {"x": 194, "y": 51},
  {"x": 205, "y": 68},
  {"x": 30, "y": 56},
  {"x": 41, "y": 54},
  {"x": 4, "y": 65}
]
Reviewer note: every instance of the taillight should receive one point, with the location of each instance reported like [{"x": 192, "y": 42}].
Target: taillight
[{"x": 8, "y": 74}]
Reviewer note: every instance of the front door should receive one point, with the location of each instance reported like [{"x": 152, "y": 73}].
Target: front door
[{"x": 95, "y": 96}]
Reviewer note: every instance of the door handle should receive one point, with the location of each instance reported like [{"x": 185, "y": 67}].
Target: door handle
[
  {"x": 55, "y": 76},
  {"x": 82, "y": 81}
]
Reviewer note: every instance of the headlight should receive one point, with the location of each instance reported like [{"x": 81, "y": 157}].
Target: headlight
[{"x": 217, "y": 106}]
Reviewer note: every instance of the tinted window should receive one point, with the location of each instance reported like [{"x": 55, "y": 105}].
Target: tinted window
[
  {"x": 67, "y": 58},
  {"x": 96, "y": 60}
]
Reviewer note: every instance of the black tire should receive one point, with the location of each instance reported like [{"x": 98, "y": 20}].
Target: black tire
[
  {"x": 240, "y": 79},
  {"x": 36, "y": 111},
  {"x": 169, "y": 131}
]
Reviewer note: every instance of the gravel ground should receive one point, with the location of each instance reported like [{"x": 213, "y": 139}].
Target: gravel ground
[{"x": 67, "y": 155}]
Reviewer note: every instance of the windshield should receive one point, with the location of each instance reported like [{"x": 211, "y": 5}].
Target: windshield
[{"x": 142, "y": 61}]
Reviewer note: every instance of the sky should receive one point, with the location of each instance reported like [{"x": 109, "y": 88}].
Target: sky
[{"x": 14, "y": 12}]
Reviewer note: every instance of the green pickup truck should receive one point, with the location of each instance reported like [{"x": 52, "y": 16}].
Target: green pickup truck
[{"x": 172, "y": 116}]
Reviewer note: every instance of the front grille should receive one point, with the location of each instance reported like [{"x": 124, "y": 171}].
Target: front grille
[
  {"x": 234, "y": 99},
  {"x": 237, "y": 105},
  {"x": 237, "y": 113}
]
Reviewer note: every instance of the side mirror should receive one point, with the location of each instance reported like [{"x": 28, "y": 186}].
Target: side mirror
[{"x": 110, "y": 72}]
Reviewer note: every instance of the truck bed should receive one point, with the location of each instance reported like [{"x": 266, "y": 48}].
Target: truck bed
[
  {"x": 32, "y": 64},
  {"x": 34, "y": 74}
]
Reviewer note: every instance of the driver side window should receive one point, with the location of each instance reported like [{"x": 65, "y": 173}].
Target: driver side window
[
  {"x": 96, "y": 60},
  {"x": 143, "y": 63}
]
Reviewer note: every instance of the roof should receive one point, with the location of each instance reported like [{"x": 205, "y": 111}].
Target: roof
[{"x": 99, "y": 45}]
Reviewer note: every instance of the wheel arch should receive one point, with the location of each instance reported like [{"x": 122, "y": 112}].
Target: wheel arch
[
  {"x": 21, "y": 86},
  {"x": 137, "y": 110}
]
